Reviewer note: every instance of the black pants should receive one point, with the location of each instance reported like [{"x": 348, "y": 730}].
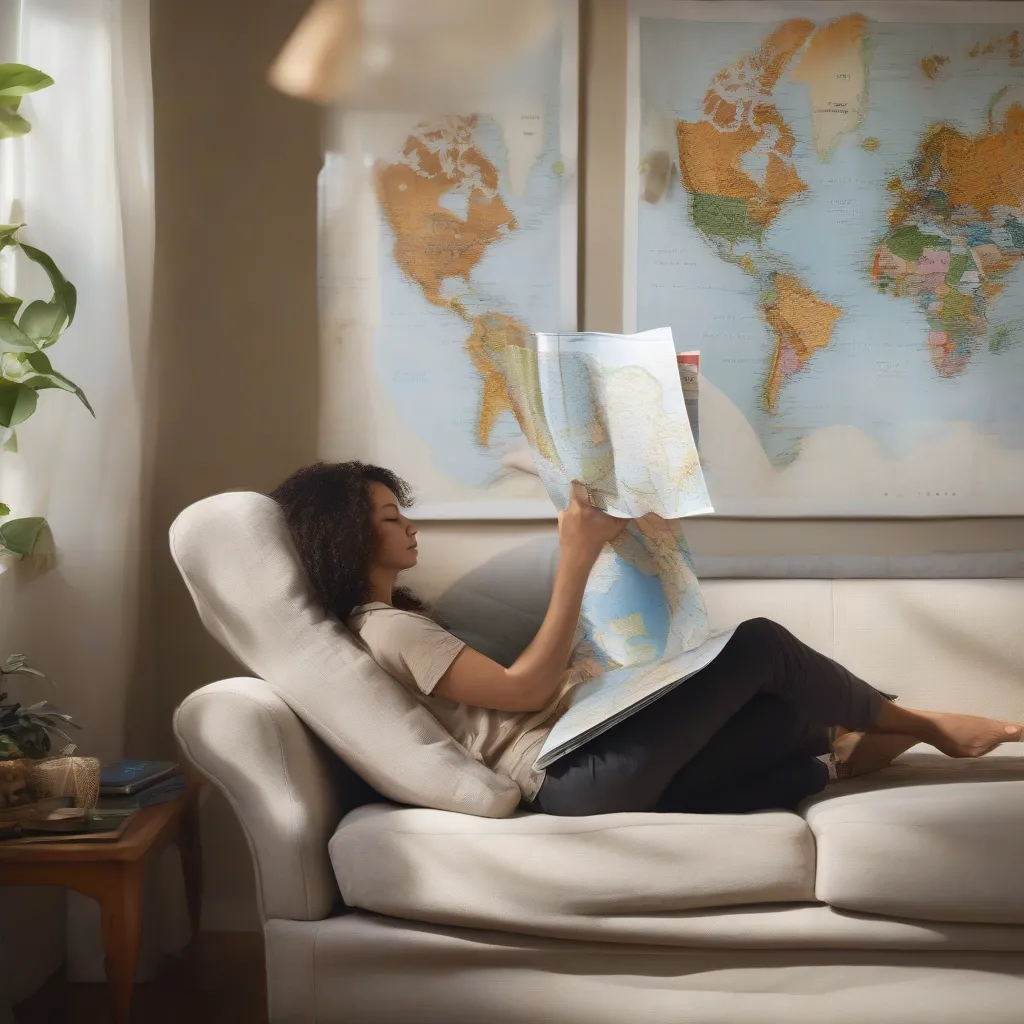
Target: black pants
[{"x": 741, "y": 735}]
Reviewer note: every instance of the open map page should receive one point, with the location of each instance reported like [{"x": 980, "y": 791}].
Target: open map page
[{"x": 607, "y": 411}]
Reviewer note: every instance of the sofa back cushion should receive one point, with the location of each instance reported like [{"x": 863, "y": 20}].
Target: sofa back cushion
[
  {"x": 242, "y": 571},
  {"x": 952, "y": 644}
]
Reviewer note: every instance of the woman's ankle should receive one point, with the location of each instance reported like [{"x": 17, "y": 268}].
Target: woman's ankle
[{"x": 892, "y": 718}]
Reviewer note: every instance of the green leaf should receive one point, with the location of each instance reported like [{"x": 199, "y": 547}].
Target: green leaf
[
  {"x": 58, "y": 380},
  {"x": 35, "y": 371},
  {"x": 17, "y": 402},
  {"x": 14, "y": 339},
  {"x": 20, "y": 536},
  {"x": 5, "y": 510},
  {"x": 44, "y": 321},
  {"x": 17, "y": 80},
  {"x": 17, "y": 665},
  {"x": 12, "y": 124},
  {"x": 63, "y": 289},
  {"x": 9, "y": 305},
  {"x": 10, "y": 442},
  {"x": 8, "y": 233}
]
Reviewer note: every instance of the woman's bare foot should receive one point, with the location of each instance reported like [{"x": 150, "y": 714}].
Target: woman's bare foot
[
  {"x": 863, "y": 752},
  {"x": 954, "y": 735},
  {"x": 968, "y": 735}
]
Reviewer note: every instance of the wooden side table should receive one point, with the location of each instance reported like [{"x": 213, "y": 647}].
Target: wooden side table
[{"x": 112, "y": 873}]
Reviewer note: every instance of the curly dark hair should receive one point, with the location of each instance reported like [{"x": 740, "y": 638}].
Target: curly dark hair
[{"x": 327, "y": 507}]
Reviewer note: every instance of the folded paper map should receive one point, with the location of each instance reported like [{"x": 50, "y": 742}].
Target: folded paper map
[{"x": 607, "y": 411}]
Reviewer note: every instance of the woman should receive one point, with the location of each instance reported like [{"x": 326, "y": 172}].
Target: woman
[{"x": 750, "y": 731}]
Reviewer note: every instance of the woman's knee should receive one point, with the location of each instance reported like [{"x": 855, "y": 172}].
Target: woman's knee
[{"x": 760, "y": 630}]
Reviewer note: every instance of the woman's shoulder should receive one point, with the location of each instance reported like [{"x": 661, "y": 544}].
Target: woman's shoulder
[
  {"x": 407, "y": 644},
  {"x": 378, "y": 616}
]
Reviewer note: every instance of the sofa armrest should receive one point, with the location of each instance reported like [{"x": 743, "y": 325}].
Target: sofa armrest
[{"x": 288, "y": 790}]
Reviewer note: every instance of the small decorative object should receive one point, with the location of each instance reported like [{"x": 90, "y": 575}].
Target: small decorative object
[
  {"x": 76, "y": 777},
  {"x": 27, "y": 730},
  {"x": 14, "y": 784}
]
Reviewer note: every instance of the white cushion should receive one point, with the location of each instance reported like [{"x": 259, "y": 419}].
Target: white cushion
[
  {"x": 952, "y": 645},
  {"x": 238, "y": 562},
  {"x": 929, "y": 838},
  {"x": 538, "y": 872}
]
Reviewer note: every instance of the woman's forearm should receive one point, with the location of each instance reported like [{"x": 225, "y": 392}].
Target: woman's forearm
[{"x": 540, "y": 668}]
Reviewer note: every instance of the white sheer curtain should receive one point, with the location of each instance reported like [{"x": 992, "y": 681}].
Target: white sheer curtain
[{"x": 82, "y": 181}]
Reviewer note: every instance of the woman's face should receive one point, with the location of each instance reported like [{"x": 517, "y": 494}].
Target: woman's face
[{"x": 396, "y": 535}]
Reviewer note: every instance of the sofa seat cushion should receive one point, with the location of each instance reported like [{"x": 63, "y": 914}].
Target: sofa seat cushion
[
  {"x": 929, "y": 838},
  {"x": 536, "y": 871}
]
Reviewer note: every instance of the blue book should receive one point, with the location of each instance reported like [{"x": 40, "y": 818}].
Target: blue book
[
  {"x": 127, "y": 777},
  {"x": 158, "y": 793}
]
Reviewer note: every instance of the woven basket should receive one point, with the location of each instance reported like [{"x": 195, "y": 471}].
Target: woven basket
[
  {"x": 78, "y": 777},
  {"x": 14, "y": 782}
]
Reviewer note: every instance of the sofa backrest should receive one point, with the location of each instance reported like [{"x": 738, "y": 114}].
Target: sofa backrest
[{"x": 951, "y": 644}]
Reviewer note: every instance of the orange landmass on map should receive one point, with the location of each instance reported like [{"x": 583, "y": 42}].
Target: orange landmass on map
[
  {"x": 931, "y": 66},
  {"x": 979, "y": 171},
  {"x": 764, "y": 65},
  {"x": 433, "y": 244},
  {"x": 831, "y": 45},
  {"x": 802, "y": 323},
  {"x": 710, "y": 162},
  {"x": 834, "y": 70},
  {"x": 1011, "y": 41},
  {"x": 492, "y": 332},
  {"x": 738, "y": 117}
]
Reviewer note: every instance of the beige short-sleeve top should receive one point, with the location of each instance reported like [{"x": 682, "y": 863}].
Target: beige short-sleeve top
[{"x": 416, "y": 651}]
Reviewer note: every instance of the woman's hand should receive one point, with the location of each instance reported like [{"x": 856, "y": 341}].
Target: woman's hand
[
  {"x": 535, "y": 677},
  {"x": 585, "y": 529}
]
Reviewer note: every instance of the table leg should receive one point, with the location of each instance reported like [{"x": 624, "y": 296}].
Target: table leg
[
  {"x": 191, "y": 852},
  {"x": 120, "y": 899}
]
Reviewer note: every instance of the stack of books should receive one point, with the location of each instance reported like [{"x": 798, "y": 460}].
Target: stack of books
[{"x": 130, "y": 785}]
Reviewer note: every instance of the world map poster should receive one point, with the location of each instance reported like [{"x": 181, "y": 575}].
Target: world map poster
[
  {"x": 827, "y": 201},
  {"x": 445, "y": 238}
]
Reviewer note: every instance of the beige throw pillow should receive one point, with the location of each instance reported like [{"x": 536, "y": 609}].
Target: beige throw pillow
[{"x": 241, "y": 569}]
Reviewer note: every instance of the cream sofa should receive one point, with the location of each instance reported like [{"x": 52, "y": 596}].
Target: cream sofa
[{"x": 899, "y": 898}]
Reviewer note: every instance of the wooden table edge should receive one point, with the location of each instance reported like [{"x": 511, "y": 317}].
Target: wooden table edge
[{"x": 146, "y": 829}]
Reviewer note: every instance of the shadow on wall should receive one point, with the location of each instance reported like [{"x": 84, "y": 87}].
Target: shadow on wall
[
  {"x": 499, "y": 606},
  {"x": 235, "y": 361}
]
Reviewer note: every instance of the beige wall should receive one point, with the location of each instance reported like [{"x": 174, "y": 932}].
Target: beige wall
[{"x": 236, "y": 341}]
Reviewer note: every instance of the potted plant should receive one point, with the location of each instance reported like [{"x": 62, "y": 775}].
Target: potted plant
[
  {"x": 27, "y": 737},
  {"x": 27, "y": 730},
  {"x": 26, "y": 334}
]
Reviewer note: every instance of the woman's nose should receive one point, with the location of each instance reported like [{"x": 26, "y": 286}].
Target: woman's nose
[{"x": 412, "y": 530}]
